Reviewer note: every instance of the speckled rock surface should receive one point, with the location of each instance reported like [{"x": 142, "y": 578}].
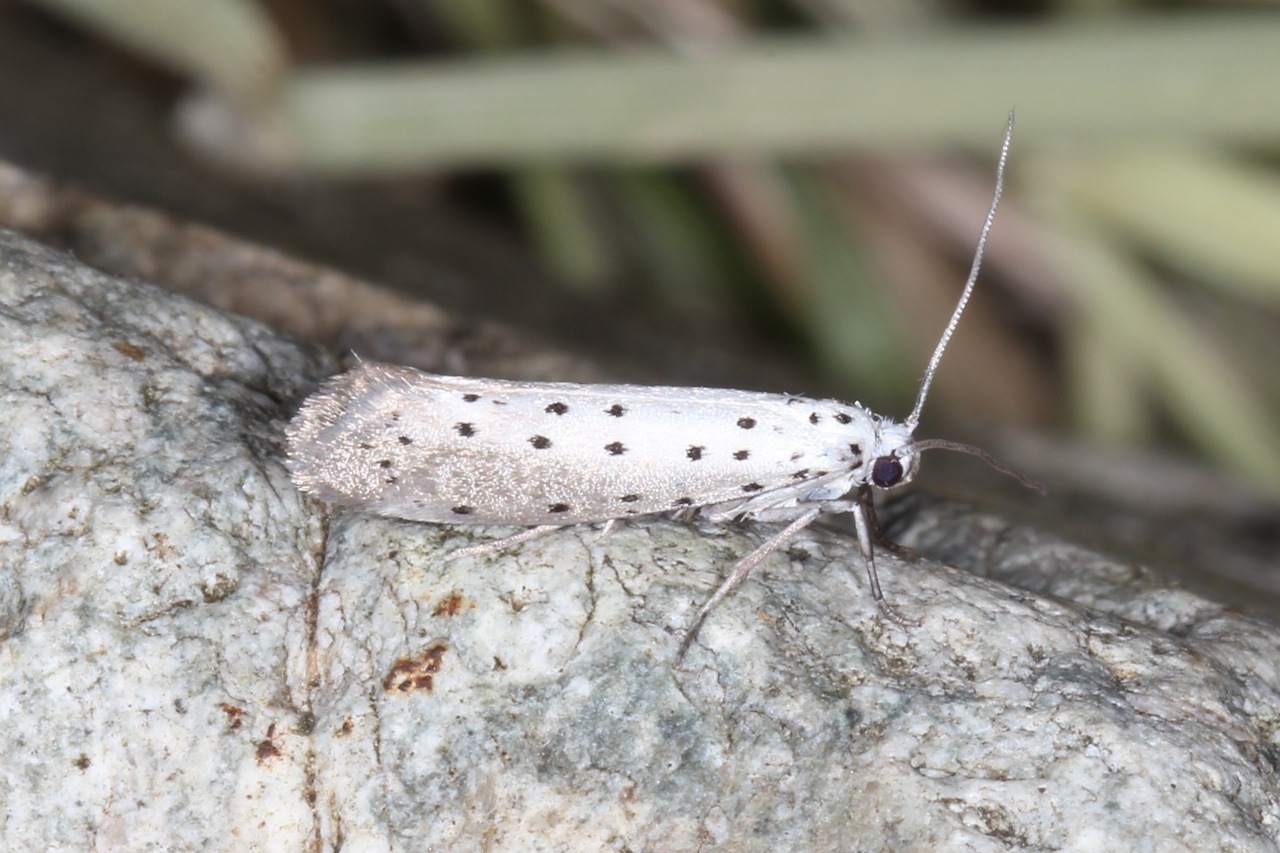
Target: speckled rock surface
[
  {"x": 155, "y": 564},
  {"x": 194, "y": 658}
]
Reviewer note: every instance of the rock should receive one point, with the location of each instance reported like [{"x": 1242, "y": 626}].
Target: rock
[
  {"x": 155, "y": 568},
  {"x": 195, "y": 657}
]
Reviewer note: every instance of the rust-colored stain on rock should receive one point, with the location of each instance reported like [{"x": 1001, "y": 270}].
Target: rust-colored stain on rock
[
  {"x": 129, "y": 350},
  {"x": 411, "y": 674},
  {"x": 450, "y": 605},
  {"x": 235, "y": 716},
  {"x": 267, "y": 751}
]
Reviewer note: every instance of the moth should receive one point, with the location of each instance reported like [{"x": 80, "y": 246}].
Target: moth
[{"x": 402, "y": 443}]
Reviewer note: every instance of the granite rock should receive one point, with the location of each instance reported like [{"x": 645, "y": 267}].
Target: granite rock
[{"x": 193, "y": 656}]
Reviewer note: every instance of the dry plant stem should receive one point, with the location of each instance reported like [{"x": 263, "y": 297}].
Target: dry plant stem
[{"x": 660, "y": 106}]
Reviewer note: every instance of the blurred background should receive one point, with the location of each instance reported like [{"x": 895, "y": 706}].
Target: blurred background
[{"x": 779, "y": 194}]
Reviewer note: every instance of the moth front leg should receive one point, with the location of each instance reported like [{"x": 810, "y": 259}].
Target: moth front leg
[
  {"x": 863, "y": 527},
  {"x": 866, "y": 500}
]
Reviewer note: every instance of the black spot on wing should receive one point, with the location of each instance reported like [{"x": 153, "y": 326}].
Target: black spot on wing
[
  {"x": 470, "y": 398},
  {"x": 686, "y": 501},
  {"x": 741, "y": 454},
  {"x": 753, "y": 487},
  {"x": 843, "y": 417},
  {"x": 747, "y": 423},
  {"x": 616, "y": 448},
  {"x": 384, "y": 463},
  {"x": 461, "y": 510},
  {"x": 629, "y": 499},
  {"x": 616, "y": 410},
  {"x": 814, "y": 417},
  {"x": 556, "y": 409},
  {"x": 404, "y": 439},
  {"x": 465, "y": 430},
  {"x": 558, "y": 508},
  {"x": 695, "y": 452},
  {"x": 540, "y": 442}
]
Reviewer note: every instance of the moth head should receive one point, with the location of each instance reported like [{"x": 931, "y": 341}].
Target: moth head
[
  {"x": 895, "y": 456},
  {"x": 888, "y": 471}
]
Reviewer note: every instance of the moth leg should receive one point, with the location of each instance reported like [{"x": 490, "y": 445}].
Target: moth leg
[
  {"x": 739, "y": 573},
  {"x": 501, "y": 544},
  {"x": 868, "y": 557},
  {"x": 878, "y": 536}
]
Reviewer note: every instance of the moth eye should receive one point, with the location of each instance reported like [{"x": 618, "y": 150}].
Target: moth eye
[{"x": 886, "y": 472}]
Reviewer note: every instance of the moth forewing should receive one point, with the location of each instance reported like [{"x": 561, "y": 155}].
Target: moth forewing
[{"x": 452, "y": 450}]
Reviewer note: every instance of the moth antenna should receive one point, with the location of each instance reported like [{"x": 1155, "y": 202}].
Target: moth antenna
[
  {"x": 1002, "y": 467},
  {"x": 914, "y": 418}
]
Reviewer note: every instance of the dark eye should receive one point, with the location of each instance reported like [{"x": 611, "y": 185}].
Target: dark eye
[{"x": 886, "y": 472}]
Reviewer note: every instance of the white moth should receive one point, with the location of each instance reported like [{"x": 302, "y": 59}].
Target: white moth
[{"x": 455, "y": 450}]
